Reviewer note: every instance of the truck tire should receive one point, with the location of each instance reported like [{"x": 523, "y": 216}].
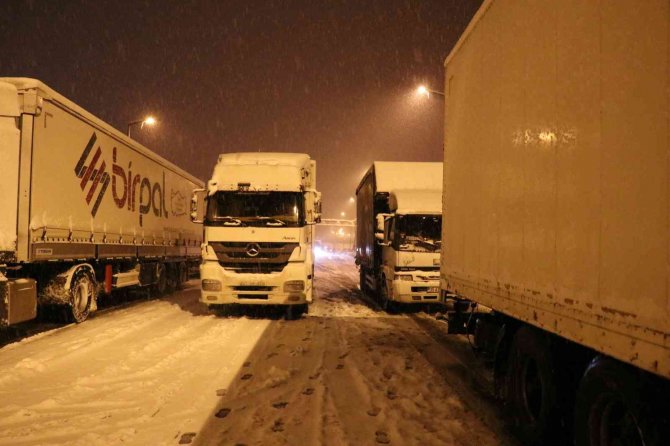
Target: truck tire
[
  {"x": 295, "y": 312},
  {"x": 364, "y": 288},
  {"x": 81, "y": 295},
  {"x": 161, "y": 284},
  {"x": 615, "y": 406},
  {"x": 386, "y": 303},
  {"x": 219, "y": 310},
  {"x": 531, "y": 387},
  {"x": 183, "y": 275},
  {"x": 172, "y": 277}
]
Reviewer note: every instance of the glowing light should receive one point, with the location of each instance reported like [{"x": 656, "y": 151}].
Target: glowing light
[
  {"x": 320, "y": 253},
  {"x": 352, "y": 199},
  {"x": 547, "y": 137},
  {"x": 150, "y": 120},
  {"x": 422, "y": 91},
  {"x": 342, "y": 214}
]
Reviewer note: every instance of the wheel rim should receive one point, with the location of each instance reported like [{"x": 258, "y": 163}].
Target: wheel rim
[
  {"x": 532, "y": 385},
  {"x": 612, "y": 424}
]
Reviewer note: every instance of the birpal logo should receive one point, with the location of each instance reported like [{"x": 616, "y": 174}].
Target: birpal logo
[
  {"x": 129, "y": 190},
  {"x": 92, "y": 176}
]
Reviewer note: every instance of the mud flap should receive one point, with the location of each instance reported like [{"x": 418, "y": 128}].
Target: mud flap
[{"x": 18, "y": 300}]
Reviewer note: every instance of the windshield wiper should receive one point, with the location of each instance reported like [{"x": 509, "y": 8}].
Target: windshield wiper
[
  {"x": 229, "y": 221},
  {"x": 271, "y": 221}
]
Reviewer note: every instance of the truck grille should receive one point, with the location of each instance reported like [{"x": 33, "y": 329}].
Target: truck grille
[
  {"x": 253, "y": 288},
  {"x": 254, "y": 257}
]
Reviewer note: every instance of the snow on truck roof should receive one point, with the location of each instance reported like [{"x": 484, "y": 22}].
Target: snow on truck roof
[
  {"x": 395, "y": 175},
  {"x": 416, "y": 201},
  {"x": 285, "y": 171},
  {"x": 26, "y": 83},
  {"x": 265, "y": 158}
]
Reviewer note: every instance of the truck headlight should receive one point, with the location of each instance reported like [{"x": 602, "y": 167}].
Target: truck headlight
[
  {"x": 406, "y": 277},
  {"x": 294, "y": 285},
  {"x": 211, "y": 285}
]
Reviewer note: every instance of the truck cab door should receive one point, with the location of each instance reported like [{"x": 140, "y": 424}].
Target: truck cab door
[{"x": 388, "y": 250}]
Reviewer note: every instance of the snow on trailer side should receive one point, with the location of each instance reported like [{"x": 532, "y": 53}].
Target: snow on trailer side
[{"x": 90, "y": 197}]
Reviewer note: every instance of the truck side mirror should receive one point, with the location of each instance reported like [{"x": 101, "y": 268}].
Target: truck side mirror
[
  {"x": 313, "y": 202},
  {"x": 195, "y": 200},
  {"x": 380, "y": 223}
]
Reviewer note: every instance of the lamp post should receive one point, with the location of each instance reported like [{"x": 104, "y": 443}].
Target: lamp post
[
  {"x": 422, "y": 90},
  {"x": 149, "y": 120}
]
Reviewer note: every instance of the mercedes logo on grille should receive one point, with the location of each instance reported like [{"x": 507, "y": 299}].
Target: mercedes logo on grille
[{"x": 253, "y": 249}]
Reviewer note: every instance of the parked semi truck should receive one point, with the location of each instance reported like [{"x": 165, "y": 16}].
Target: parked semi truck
[
  {"x": 398, "y": 232},
  {"x": 556, "y": 195},
  {"x": 259, "y": 215},
  {"x": 84, "y": 210}
]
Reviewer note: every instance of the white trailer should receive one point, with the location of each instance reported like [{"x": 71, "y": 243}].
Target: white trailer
[
  {"x": 259, "y": 215},
  {"x": 84, "y": 209},
  {"x": 557, "y": 206}
]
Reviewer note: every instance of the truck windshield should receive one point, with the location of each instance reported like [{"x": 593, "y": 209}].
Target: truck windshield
[
  {"x": 419, "y": 233},
  {"x": 270, "y": 209}
]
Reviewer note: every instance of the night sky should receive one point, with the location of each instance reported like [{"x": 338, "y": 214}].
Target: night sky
[{"x": 334, "y": 79}]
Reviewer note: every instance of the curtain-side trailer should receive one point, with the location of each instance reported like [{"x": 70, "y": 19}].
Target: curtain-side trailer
[
  {"x": 557, "y": 205},
  {"x": 84, "y": 210}
]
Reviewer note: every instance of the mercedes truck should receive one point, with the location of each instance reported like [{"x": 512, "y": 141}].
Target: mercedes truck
[
  {"x": 398, "y": 232},
  {"x": 84, "y": 210},
  {"x": 259, "y": 212},
  {"x": 556, "y": 204}
]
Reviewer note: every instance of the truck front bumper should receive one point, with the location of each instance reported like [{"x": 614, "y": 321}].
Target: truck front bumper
[
  {"x": 254, "y": 289},
  {"x": 415, "y": 292}
]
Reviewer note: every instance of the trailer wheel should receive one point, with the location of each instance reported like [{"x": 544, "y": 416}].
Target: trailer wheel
[
  {"x": 172, "y": 277},
  {"x": 183, "y": 275},
  {"x": 531, "y": 387},
  {"x": 611, "y": 409},
  {"x": 160, "y": 286},
  {"x": 81, "y": 295}
]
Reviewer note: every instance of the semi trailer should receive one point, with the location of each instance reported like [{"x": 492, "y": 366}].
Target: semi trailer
[
  {"x": 556, "y": 202},
  {"x": 259, "y": 214},
  {"x": 398, "y": 232},
  {"x": 84, "y": 210}
]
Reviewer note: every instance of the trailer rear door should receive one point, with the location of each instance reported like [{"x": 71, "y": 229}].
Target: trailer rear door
[{"x": 9, "y": 160}]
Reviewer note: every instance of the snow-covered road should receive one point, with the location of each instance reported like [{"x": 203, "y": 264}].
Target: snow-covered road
[{"x": 166, "y": 372}]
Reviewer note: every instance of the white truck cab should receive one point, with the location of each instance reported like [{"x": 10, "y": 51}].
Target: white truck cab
[
  {"x": 259, "y": 213},
  {"x": 398, "y": 232},
  {"x": 410, "y": 245}
]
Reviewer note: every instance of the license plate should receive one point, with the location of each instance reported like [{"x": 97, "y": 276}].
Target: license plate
[{"x": 433, "y": 289}]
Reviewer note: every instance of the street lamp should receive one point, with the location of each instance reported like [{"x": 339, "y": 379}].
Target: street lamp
[
  {"x": 149, "y": 120},
  {"x": 422, "y": 90},
  {"x": 342, "y": 214}
]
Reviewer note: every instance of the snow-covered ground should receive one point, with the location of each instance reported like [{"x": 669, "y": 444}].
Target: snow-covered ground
[{"x": 166, "y": 372}]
